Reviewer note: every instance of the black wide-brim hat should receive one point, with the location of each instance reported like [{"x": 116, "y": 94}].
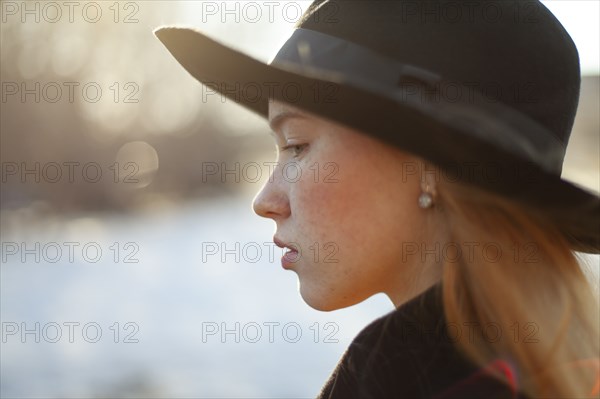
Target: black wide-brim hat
[{"x": 484, "y": 90}]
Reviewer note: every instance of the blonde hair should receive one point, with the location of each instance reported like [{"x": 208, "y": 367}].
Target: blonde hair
[{"x": 519, "y": 283}]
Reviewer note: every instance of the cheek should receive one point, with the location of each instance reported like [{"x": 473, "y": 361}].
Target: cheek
[
  {"x": 355, "y": 197},
  {"x": 324, "y": 205},
  {"x": 359, "y": 221},
  {"x": 317, "y": 206}
]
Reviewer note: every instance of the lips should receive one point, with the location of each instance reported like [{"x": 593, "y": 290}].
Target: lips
[
  {"x": 281, "y": 244},
  {"x": 291, "y": 255}
]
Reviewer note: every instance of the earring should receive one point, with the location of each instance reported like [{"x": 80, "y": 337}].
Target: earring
[{"x": 425, "y": 200}]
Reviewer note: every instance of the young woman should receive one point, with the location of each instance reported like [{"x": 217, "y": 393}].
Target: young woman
[{"x": 439, "y": 129}]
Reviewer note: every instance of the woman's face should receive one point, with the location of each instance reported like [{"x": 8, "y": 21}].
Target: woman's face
[{"x": 348, "y": 203}]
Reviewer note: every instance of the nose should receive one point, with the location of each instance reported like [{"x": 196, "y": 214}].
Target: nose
[{"x": 272, "y": 200}]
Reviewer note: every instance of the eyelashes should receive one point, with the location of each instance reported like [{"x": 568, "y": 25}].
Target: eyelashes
[{"x": 296, "y": 149}]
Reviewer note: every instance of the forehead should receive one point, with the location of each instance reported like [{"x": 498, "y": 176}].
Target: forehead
[
  {"x": 276, "y": 107},
  {"x": 278, "y": 111}
]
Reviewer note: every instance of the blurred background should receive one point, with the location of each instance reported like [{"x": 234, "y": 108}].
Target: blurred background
[{"x": 114, "y": 277}]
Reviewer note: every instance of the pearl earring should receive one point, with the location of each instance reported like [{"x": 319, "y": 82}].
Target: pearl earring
[{"x": 425, "y": 200}]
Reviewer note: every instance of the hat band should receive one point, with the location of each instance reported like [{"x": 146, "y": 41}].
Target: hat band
[{"x": 319, "y": 54}]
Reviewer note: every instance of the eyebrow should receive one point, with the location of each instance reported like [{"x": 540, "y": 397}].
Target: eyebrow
[{"x": 278, "y": 119}]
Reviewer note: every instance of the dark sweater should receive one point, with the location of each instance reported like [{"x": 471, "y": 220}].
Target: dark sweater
[{"x": 409, "y": 353}]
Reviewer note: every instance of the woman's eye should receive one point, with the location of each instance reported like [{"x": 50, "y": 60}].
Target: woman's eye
[{"x": 296, "y": 148}]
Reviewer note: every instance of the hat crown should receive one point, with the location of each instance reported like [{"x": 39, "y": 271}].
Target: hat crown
[{"x": 513, "y": 52}]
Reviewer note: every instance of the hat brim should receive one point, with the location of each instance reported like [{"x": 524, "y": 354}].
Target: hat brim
[{"x": 451, "y": 136}]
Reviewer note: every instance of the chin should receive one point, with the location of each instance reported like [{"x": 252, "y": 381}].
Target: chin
[{"x": 324, "y": 299}]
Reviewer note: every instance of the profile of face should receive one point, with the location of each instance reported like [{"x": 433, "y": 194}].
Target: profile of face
[{"x": 348, "y": 203}]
